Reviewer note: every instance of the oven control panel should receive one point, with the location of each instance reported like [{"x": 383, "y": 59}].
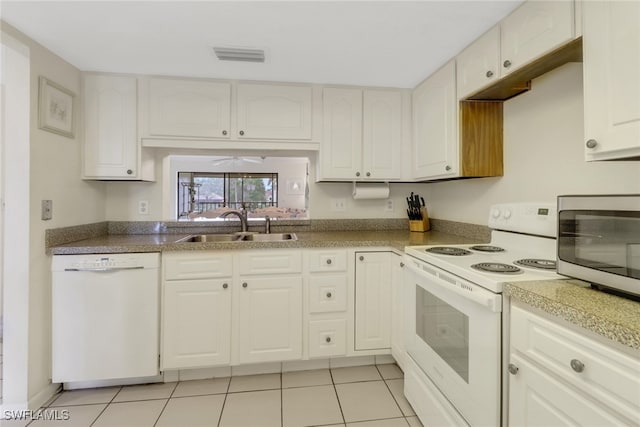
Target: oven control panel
[{"x": 531, "y": 218}]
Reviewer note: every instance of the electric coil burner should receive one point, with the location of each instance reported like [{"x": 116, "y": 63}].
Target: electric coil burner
[
  {"x": 543, "y": 264},
  {"x": 497, "y": 267},
  {"x": 448, "y": 250},
  {"x": 487, "y": 248}
]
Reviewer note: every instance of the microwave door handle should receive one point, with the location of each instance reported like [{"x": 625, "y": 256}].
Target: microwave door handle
[{"x": 479, "y": 295}]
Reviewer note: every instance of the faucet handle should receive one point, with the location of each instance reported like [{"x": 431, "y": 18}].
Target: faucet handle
[{"x": 267, "y": 224}]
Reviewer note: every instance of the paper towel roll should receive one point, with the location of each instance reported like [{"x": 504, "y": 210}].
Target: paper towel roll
[{"x": 370, "y": 190}]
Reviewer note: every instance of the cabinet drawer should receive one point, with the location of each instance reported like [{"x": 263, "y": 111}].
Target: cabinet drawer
[
  {"x": 327, "y": 293},
  {"x": 608, "y": 375},
  {"x": 196, "y": 265},
  {"x": 270, "y": 262},
  {"x": 327, "y": 337},
  {"x": 323, "y": 261}
]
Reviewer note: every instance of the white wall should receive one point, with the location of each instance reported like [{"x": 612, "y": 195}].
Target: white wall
[
  {"x": 543, "y": 155},
  {"x": 55, "y": 169}
]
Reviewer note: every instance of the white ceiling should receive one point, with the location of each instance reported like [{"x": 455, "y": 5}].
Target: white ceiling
[{"x": 377, "y": 43}]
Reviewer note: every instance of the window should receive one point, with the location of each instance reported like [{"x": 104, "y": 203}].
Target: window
[{"x": 205, "y": 191}]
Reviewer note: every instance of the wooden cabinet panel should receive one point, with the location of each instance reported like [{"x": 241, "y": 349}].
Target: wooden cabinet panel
[{"x": 373, "y": 300}]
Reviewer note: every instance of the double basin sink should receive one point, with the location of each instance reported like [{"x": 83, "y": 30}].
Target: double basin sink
[{"x": 240, "y": 237}]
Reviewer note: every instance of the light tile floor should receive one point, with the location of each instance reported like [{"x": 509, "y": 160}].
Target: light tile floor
[{"x": 362, "y": 396}]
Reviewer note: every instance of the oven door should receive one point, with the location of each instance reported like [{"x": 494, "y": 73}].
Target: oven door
[{"x": 454, "y": 336}]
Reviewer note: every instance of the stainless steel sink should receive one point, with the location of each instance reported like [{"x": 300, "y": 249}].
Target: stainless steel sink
[
  {"x": 272, "y": 237},
  {"x": 240, "y": 237}
]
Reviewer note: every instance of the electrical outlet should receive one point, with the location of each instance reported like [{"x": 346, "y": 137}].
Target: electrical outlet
[
  {"x": 46, "y": 210},
  {"x": 143, "y": 207},
  {"x": 388, "y": 205},
  {"x": 338, "y": 205}
]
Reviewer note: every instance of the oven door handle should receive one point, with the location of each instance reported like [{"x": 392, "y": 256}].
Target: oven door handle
[{"x": 451, "y": 283}]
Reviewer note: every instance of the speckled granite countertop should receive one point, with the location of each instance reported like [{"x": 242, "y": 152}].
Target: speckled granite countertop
[
  {"x": 574, "y": 301},
  {"x": 122, "y": 243}
]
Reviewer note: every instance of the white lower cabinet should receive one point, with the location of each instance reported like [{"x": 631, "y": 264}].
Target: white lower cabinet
[
  {"x": 558, "y": 376},
  {"x": 398, "y": 313},
  {"x": 372, "y": 300},
  {"x": 269, "y": 319},
  {"x": 327, "y": 338}
]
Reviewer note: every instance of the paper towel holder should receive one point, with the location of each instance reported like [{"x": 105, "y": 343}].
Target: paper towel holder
[{"x": 370, "y": 190}]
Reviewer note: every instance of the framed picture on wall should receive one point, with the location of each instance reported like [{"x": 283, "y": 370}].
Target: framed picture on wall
[{"x": 55, "y": 112}]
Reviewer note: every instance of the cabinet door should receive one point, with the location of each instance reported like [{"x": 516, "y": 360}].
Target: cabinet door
[
  {"x": 270, "y": 319},
  {"x": 373, "y": 300},
  {"x": 435, "y": 125},
  {"x": 189, "y": 108},
  {"x": 341, "y": 146},
  {"x": 111, "y": 148},
  {"x": 196, "y": 324},
  {"x": 539, "y": 399},
  {"x": 398, "y": 318},
  {"x": 534, "y": 29},
  {"x": 382, "y": 135},
  {"x": 611, "y": 45},
  {"x": 479, "y": 64},
  {"x": 274, "y": 111}
]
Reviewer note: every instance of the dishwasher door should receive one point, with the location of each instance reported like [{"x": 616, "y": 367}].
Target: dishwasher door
[{"x": 105, "y": 316}]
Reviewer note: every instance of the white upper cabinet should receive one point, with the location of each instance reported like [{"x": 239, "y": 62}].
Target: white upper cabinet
[
  {"x": 274, "y": 111},
  {"x": 531, "y": 31},
  {"x": 435, "y": 125},
  {"x": 479, "y": 64},
  {"x": 189, "y": 108},
  {"x": 111, "y": 148},
  {"x": 611, "y": 46},
  {"x": 534, "y": 29},
  {"x": 362, "y": 138}
]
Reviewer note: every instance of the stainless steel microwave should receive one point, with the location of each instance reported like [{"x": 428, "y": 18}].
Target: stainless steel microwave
[{"x": 599, "y": 240}]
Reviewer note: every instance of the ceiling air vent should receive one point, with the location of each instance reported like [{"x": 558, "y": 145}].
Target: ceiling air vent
[{"x": 239, "y": 54}]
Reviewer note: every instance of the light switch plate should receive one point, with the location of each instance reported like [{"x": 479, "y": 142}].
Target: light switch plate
[{"x": 47, "y": 210}]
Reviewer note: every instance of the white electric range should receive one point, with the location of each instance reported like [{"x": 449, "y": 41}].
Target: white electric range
[{"x": 454, "y": 307}]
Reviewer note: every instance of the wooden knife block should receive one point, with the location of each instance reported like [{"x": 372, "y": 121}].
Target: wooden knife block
[{"x": 420, "y": 226}]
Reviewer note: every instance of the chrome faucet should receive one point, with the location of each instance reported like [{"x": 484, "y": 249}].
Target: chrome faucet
[
  {"x": 267, "y": 224},
  {"x": 240, "y": 214}
]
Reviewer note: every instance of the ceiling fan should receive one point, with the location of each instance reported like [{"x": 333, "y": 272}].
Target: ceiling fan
[{"x": 235, "y": 160}]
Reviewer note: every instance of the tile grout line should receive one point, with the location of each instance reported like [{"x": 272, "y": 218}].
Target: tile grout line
[
  {"x": 224, "y": 402},
  {"x": 281, "y": 400},
  {"x": 392, "y": 395},
  {"x": 335, "y": 390},
  {"x": 105, "y": 406},
  {"x": 166, "y": 403}
]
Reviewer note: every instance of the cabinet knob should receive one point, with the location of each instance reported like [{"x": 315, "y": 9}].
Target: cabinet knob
[
  {"x": 329, "y": 262},
  {"x": 224, "y": 132},
  {"x": 328, "y": 339},
  {"x": 244, "y": 285},
  {"x": 592, "y": 143},
  {"x": 401, "y": 264},
  {"x": 225, "y": 285},
  {"x": 577, "y": 365},
  {"x": 368, "y": 173},
  {"x": 361, "y": 258},
  {"x": 513, "y": 369},
  {"x": 129, "y": 172},
  {"x": 447, "y": 168},
  {"x": 329, "y": 295},
  {"x": 241, "y": 132},
  {"x": 357, "y": 173},
  {"x": 506, "y": 64},
  {"x": 489, "y": 74}
]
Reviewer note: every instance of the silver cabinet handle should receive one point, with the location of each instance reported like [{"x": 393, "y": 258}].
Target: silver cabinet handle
[
  {"x": 328, "y": 339},
  {"x": 361, "y": 258},
  {"x": 241, "y": 132},
  {"x": 329, "y": 262},
  {"x": 506, "y": 64},
  {"x": 224, "y": 132},
  {"x": 577, "y": 365},
  {"x": 129, "y": 172},
  {"x": 357, "y": 173},
  {"x": 244, "y": 285},
  {"x": 592, "y": 143},
  {"x": 225, "y": 285},
  {"x": 489, "y": 74},
  {"x": 368, "y": 173},
  {"x": 329, "y": 295},
  {"x": 513, "y": 369},
  {"x": 447, "y": 168}
]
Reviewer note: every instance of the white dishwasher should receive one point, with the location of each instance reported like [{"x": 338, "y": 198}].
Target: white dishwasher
[{"x": 105, "y": 316}]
